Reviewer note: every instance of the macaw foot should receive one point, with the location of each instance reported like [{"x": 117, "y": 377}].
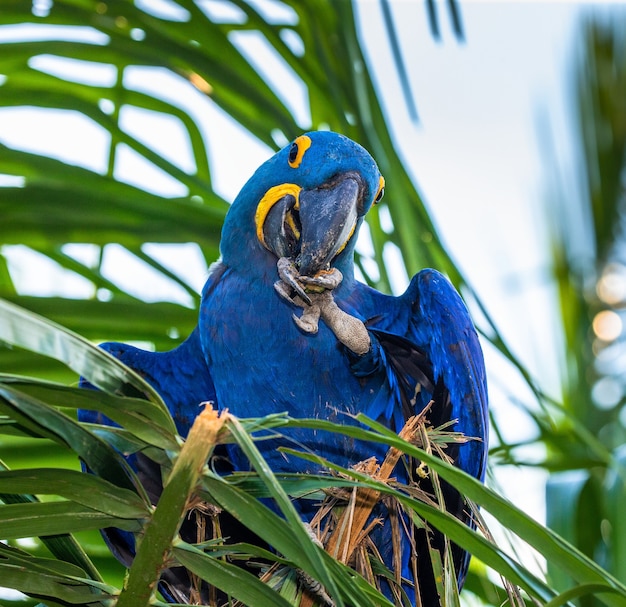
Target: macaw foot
[
  {"x": 314, "y": 295},
  {"x": 293, "y": 283},
  {"x": 309, "y": 320},
  {"x": 290, "y": 288}
]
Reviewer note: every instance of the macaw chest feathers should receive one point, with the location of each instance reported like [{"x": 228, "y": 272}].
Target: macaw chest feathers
[{"x": 261, "y": 361}]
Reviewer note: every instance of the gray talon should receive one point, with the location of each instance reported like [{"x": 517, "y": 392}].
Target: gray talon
[
  {"x": 289, "y": 275},
  {"x": 307, "y": 322},
  {"x": 283, "y": 290}
]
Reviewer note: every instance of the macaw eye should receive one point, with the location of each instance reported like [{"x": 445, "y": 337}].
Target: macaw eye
[
  {"x": 381, "y": 190},
  {"x": 297, "y": 150},
  {"x": 293, "y": 153}
]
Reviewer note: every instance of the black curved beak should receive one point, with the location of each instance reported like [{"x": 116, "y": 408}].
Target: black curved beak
[
  {"x": 328, "y": 216},
  {"x": 314, "y": 228}
]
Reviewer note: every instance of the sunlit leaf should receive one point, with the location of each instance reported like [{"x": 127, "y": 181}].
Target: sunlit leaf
[
  {"x": 48, "y": 577},
  {"x": 51, "y": 518},
  {"x": 44, "y": 421},
  {"x": 81, "y": 488},
  {"x": 32, "y": 332},
  {"x": 145, "y": 419}
]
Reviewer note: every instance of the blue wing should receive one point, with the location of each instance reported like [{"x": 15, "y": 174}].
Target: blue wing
[
  {"x": 180, "y": 376},
  {"x": 427, "y": 337},
  {"x": 440, "y": 324},
  {"x": 430, "y": 350},
  {"x": 183, "y": 380}
]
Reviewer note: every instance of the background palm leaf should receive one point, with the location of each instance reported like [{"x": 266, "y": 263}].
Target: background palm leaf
[{"x": 589, "y": 272}]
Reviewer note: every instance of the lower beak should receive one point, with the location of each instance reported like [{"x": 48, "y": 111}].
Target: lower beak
[{"x": 281, "y": 229}]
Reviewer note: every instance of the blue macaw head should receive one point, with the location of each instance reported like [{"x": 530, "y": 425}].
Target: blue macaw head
[{"x": 306, "y": 203}]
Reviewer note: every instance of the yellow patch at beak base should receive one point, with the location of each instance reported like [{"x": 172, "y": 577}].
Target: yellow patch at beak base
[{"x": 270, "y": 198}]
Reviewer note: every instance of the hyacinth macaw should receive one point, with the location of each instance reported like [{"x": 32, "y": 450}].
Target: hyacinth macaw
[{"x": 285, "y": 326}]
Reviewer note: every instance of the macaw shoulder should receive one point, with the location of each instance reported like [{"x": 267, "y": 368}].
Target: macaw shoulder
[
  {"x": 437, "y": 307},
  {"x": 432, "y": 315},
  {"x": 428, "y": 305},
  {"x": 441, "y": 323}
]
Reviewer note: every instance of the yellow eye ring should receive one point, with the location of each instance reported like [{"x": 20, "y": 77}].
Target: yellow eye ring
[
  {"x": 298, "y": 148},
  {"x": 381, "y": 190}
]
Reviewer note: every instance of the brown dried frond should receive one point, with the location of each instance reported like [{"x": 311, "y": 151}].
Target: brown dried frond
[
  {"x": 343, "y": 522},
  {"x": 203, "y": 512},
  {"x": 362, "y": 562},
  {"x": 347, "y": 533}
]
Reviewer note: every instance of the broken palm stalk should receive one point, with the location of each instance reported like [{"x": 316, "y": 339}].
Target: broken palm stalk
[{"x": 153, "y": 552}]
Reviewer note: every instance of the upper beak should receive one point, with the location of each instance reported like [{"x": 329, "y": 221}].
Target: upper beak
[
  {"x": 328, "y": 216},
  {"x": 316, "y": 227}
]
